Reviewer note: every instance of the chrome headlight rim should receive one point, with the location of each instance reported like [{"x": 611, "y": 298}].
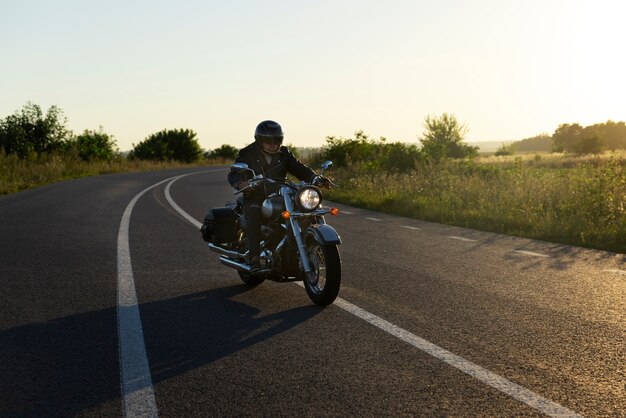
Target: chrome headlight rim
[{"x": 302, "y": 193}]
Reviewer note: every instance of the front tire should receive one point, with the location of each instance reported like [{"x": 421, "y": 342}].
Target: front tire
[{"x": 322, "y": 284}]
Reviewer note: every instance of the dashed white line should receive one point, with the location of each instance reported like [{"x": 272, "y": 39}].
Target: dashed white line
[
  {"x": 374, "y": 219},
  {"x": 347, "y": 212},
  {"x": 461, "y": 238},
  {"x": 530, "y": 253},
  {"x": 616, "y": 271},
  {"x": 498, "y": 382},
  {"x": 414, "y": 228}
]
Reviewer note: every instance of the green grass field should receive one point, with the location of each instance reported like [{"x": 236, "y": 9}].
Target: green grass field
[
  {"x": 573, "y": 200},
  {"x": 17, "y": 174}
]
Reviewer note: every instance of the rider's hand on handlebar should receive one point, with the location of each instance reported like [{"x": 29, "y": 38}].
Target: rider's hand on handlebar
[
  {"x": 321, "y": 181},
  {"x": 243, "y": 185}
]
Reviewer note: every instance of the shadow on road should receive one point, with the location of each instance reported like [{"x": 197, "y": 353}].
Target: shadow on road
[{"x": 70, "y": 365}]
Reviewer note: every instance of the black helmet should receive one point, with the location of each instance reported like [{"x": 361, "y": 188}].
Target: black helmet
[{"x": 268, "y": 134}]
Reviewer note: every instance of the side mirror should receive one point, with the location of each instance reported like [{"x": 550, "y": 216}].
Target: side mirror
[
  {"x": 326, "y": 165},
  {"x": 248, "y": 172},
  {"x": 239, "y": 166}
]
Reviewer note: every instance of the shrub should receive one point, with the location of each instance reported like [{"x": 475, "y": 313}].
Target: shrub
[
  {"x": 93, "y": 145},
  {"x": 225, "y": 151},
  {"x": 28, "y": 131},
  {"x": 168, "y": 145}
]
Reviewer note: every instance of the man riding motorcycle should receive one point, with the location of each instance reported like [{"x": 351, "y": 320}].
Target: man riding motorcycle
[{"x": 268, "y": 157}]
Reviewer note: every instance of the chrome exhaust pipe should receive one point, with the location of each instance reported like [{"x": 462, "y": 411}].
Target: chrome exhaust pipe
[
  {"x": 235, "y": 264},
  {"x": 223, "y": 251}
]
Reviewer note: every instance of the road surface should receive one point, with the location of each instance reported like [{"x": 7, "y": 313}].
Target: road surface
[{"x": 112, "y": 305}]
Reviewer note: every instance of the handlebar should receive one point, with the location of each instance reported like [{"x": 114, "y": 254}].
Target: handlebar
[{"x": 255, "y": 182}]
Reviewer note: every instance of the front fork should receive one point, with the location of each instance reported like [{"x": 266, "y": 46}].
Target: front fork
[{"x": 297, "y": 234}]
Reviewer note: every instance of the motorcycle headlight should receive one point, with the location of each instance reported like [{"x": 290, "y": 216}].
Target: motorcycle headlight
[{"x": 309, "y": 198}]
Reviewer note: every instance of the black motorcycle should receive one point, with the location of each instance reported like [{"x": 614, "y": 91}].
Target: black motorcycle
[{"x": 297, "y": 243}]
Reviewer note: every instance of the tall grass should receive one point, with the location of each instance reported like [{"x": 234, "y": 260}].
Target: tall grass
[
  {"x": 18, "y": 174},
  {"x": 579, "y": 201}
]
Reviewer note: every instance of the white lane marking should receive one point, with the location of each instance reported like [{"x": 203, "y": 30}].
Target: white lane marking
[
  {"x": 136, "y": 382},
  {"x": 347, "y": 212},
  {"x": 616, "y": 271},
  {"x": 184, "y": 214},
  {"x": 461, "y": 238},
  {"x": 414, "y": 228},
  {"x": 530, "y": 253},
  {"x": 374, "y": 219},
  {"x": 498, "y": 382}
]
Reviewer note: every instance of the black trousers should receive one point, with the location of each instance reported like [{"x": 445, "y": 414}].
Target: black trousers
[{"x": 252, "y": 213}]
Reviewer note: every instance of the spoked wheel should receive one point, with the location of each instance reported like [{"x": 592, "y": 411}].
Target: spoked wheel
[{"x": 323, "y": 282}]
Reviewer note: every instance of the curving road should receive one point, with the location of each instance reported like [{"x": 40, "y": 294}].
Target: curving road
[{"x": 111, "y": 305}]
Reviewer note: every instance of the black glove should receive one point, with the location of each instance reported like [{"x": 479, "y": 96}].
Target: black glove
[{"x": 321, "y": 181}]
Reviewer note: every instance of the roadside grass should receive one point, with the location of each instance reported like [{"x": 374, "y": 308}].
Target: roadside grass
[
  {"x": 20, "y": 174},
  {"x": 571, "y": 200},
  {"x": 552, "y": 197}
]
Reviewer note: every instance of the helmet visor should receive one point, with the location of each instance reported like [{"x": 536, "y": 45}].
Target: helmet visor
[{"x": 272, "y": 140}]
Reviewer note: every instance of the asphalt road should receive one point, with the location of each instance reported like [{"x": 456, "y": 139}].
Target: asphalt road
[{"x": 548, "y": 320}]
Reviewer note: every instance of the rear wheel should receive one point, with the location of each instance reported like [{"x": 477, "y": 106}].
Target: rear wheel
[
  {"x": 323, "y": 282},
  {"x": 247, "y": 278}
]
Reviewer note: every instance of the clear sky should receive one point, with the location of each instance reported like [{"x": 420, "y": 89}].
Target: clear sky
[{"x": 508, "y": 69}]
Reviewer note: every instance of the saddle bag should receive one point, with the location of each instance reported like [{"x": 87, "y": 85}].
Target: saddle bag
[{"x": 220, "y": 226}]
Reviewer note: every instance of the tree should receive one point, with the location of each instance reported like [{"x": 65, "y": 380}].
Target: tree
[
  {"x": 444, "y": 138},
  {"x": 227, "y": 152},
  {"x": 588, "y": 145},
  {"x": 93, "y": 145},
  {"x": 168, "y": 145},
  {"x": 538, "y": 143},
  {"x": 566, "y": 136},
  {"x": 28, "y": 131}
]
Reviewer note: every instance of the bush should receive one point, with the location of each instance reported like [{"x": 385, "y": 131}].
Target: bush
[
  {"x": 372, "y": 154},
  {"x": 225, "y": 151},
  {"x": 93, "y": 145},
  {"x": 28, "y": 131},
  {"x": 506, "y": 150},
  {"x": 169, "y": 145}
]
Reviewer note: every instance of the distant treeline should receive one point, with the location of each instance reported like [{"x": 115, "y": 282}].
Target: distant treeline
[
  {"x": 576, "y": 139},
  {"x": 32, "y": 134}
]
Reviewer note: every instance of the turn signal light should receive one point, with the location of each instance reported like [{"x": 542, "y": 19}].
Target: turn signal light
[
  {"x": 333, "y": 211},
  {"x": 285, "y": 215}
]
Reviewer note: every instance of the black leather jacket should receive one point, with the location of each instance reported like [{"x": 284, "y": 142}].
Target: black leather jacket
[{"x": 280, "y": 164}]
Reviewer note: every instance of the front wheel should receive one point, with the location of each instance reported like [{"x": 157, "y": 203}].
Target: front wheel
[{"x": 323, "y": 282}]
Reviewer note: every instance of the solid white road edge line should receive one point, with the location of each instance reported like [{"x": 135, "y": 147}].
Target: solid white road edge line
[
  {"x": 497, "y": 382},
  {"x": 135, "y": 380}
]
